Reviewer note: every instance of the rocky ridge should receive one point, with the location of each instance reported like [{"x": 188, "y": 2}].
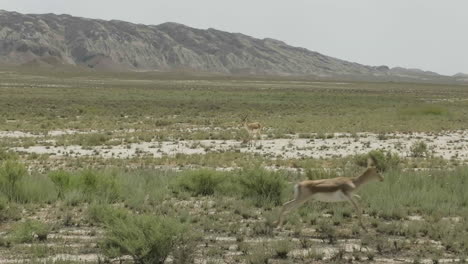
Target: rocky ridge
[{"x": 55, "y": 40}]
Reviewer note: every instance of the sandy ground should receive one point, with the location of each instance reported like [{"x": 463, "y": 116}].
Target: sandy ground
[
  {"x": 52, "y": 133},
  {"x": 447, "y": 145}
]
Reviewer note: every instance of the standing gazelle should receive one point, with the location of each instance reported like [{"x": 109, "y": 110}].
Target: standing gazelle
[
  {"x": 338, "y": 189},
  {"x": 253, "y": 129}
]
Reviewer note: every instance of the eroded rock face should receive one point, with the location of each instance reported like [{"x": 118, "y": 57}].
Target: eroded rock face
[{"x": 50, "y": 39}]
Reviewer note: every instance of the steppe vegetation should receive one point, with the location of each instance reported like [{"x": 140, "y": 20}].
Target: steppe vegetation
[{"x": 220, "y": 204}]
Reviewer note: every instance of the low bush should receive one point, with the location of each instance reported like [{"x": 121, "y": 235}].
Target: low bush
[
  {"x": 317, "y": 174},
  {"x": 90, "y": 185},
  {"x": 419, "y": 149},
  {"x": 259, "y": 254},
  {"x": 282, "y": 248},
  {"x": 108, "y": 188},
  {"x": 87, "y": 140},
  {"x": 104, "y": 214},
  {"x": 62, "y": 181},
  {"x": 3, "y": 202},
  {"x": 144, "y": 188},
  {"x": 265, "y": 188},
  {"x": 28, "y": 231},
  {"x": 74, "y": 197},
  {"x": 200, "y": 182},
  {"x": 7, "y": 155},
  {"x": 8, "y": 210},
  {"x": 383, "y": 160},
  {"x": 147, "y": 239},
  {"x": 36, "y": 188},
  {"x": 11, "y": 172}
]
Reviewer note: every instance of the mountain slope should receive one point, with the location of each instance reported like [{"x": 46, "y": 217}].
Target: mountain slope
[{"x": 50, "y": 39}]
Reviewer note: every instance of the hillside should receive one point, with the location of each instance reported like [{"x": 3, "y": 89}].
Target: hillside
[{"x": 55, "y": 40}]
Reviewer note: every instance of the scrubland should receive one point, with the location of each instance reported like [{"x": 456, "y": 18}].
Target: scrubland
[{"x": 157, "y": 168}]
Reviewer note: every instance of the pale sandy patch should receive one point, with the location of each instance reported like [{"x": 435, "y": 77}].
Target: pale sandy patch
[{"x": 446, "y": 145}]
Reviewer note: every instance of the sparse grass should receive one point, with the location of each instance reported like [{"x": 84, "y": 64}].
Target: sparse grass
[
  {"x": 147, "y": 212},
  {"x": 426, "y": 192},
  {"x": 103, "y": 103},
  {"x": 430, "y": 194},
  {"x": 425, "y": 109}
]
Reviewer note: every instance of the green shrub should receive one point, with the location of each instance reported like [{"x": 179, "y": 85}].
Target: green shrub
[
  {"x": 384, "y": 160},
  {"x": 62, "y": 181},
  {"x": 87, "y": 140},
  {"x": 36, "y": 188},
  {"x": 11, "y": 172},
  {"x": 28, "y": 231},
  {"x": 8, "y": 210},
  {"x": 425, "y": 110},
  {"x": 264, "y": 187},
  {"x": 282, "y": 248},
  {"x": 108, "y": 187},
  {"x": 3, "y": 202},
  {"x": 317, "y": 174},
  {"x": 147, "y": 239},
  {"x": 200, "y": 182},
  {"x": 419, "y": 149},
  {"x": 141, "y": 188},
  {"x": 97, "y": 185},
  {"x": 74, "y": 197},
  {"x": 7, "y": 155},
  {"x": 4, "y": 242},
  {"x": 19, "y": 186},
  {"x": 184, "y": 252},
  {"x": 259, "y": 254},
  {"x": 89, "y": 180},
  {"x": 103, "y": 214}
]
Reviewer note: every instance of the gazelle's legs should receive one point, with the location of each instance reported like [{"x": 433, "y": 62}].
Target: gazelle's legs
[
  {"x": 287, "y": 207},
  {"x": 300, "y": 197},
  {"x": 258, "y": 136},
  {"x": 358, "y": 210},
  {"x": 251, "y": 138}
]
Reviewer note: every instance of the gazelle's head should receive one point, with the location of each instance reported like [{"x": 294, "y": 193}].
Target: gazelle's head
[{"x": 373, "y": 173}]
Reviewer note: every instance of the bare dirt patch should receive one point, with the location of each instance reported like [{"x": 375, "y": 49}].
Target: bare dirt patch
[{"x": 446, "y": 145}]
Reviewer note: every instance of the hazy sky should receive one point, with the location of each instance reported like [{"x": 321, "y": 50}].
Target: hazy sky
[{"x": 427, "y": 34}]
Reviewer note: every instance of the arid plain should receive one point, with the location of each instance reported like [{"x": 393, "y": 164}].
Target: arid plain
[{"x": 159, "y": 168}]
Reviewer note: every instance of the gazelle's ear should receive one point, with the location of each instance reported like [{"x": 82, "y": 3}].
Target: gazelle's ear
[{"x": 370, "y": 162}]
